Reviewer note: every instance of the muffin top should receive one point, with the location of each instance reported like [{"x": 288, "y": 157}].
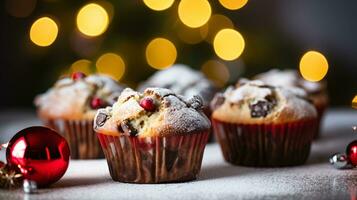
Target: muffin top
[
  {"x": 77, "y": 98},
  {"x": 182, "y": 80},
  {"x": 291, "y": 78},
  {"x": 255, "y": 102},
  {"x": 155, "y": 112}
]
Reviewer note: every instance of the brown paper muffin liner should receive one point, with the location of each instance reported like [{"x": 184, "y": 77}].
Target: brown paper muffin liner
[
  {"x": 265, "y": 145},
  {"x": 81, "y": 138},
  {"x": 154, "y": 159}
]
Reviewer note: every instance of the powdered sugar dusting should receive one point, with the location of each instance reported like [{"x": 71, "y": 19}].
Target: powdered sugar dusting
[
  {"x": 182, "y": 80},
  {"x": 286, "y": 104},
  {"x": 249, "y": 90},
  {"x": 105, "y": 83},
  {"x": 289, "y": 78},
  {"x": 70, "y": 98},
  {"x": 173, "y": 115}
]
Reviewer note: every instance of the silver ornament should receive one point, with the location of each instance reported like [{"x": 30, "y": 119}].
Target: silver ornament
[
  {"x": 340, "y": 161},
  {"x": 29, "y": 187}
]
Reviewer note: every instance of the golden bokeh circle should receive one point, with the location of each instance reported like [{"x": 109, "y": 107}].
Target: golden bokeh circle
[
  {"x": 92, "y": 20},
  {"x": 44, "y": 31},
  {"x": 233, "y": 4},
  {"x": 228, "y": 44},
  {"x": 160, "y": 53},
  {"x": 112, "y": 65},
  {"x": 158, "y": 5},
  {"x": 313, "y": 66},
  {"x": 194, "y": 13}
]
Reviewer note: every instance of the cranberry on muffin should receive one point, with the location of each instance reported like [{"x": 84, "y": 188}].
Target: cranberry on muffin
[
  {"x": 153, "y": 137},
  {"x": 260, "y": 125},
  {"x": 70, "y": 106}
]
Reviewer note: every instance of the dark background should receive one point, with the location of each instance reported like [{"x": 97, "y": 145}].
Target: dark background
[{"x": 276, "y": 32}]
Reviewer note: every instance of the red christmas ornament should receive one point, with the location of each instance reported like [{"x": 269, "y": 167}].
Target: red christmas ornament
[
  {"x": 97, "y": 103},
  {"x": 41, "y": 154},
  {"x": 351, "y": 152},
  {"x": 78, "y": 75},
  {"x": 148, "y": 104}
]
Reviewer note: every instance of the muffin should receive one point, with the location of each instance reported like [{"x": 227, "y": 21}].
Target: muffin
[
  {"x": 70, "y": 106},
  {"x": 262, "y": 125},
  {"x": 153, "y": 137},
  {"x": 184, "y": 81},
  {"x": 316, "y": 91}
]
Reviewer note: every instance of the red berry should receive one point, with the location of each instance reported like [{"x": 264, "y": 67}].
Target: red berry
[
  {"x": 148, "y": 104},
  {"x": 78, "y": 75},
  {"x": 96, "y": 103},
  {"x": 351, "y": 152}
]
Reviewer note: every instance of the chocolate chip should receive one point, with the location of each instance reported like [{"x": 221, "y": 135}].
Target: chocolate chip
[
  {"x": 128, "y": 128},
  {"x": 217, "y": 101},
  {"x": 170, "y": 157},
  {"x": 195, "y": 102},
  {"x": 267, "y": 86},
  {"x": 261, "y": 108},
  {"x": 101, "y": 118},
  {"x": 167, "y": 85},
  {"x": 120, "y": 129}
]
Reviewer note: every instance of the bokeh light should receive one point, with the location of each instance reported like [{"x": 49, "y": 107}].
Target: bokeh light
[
  {"x": 233, "y": 4},
  {"x": 189, "y": 35},
  {"x": 20, "y": 8},
  {"x": 44, "y": 31},
  {"x": 83, "y": 46},
  {"x": 159, "y": 5},
  {"x": 216, "y": 71},
  {"x": 82, "y": 65},
  {"x": 354, "y": 102},
  {"x": 92, "y": 20},
  {"x": 216, "y": 23},
  {"x": 160, "y": 53},
  {"x": 228, "y": 44},
  {"x": 313, "y": 66},
  {"x": 112, "y": 65},
  {"x": 194, "y": 13}
]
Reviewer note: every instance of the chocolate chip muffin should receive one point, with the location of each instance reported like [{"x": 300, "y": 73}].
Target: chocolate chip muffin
[
  {"x": 70, "y": 106},
  {"x": 153, "y": 137},
  {"x": 262, "y": 125},
  {"x": 316, "y": 91},
  {"x": 184, "y": 81}
]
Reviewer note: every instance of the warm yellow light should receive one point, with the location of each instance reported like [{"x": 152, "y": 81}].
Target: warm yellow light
[
  {"x": 233, "y": 4},
  {"x": 158, "y": 5},
  {"x": 216, "y": 23},
  {"x": 189, "y": 35},
  {"x": 112, "y": 65},
  {"x": 354, "y": 102},
  {"x": 216, "y": 71},
  {"x": 228, "y": 44},
  {"x": 43, "y": 31},
  {"x": 82, "y": 65},
  {"x": 92, "y": 19},
  {"x": 194, "y": 13},
  {"x": 160, "y": 53},
  {"x": 313, "y": 66}
]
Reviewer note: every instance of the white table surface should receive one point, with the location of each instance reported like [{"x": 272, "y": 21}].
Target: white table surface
[{"x": 218, "y": 179}]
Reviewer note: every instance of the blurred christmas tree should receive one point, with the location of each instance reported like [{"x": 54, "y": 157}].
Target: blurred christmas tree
[{"x": 130, "y": 40}]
